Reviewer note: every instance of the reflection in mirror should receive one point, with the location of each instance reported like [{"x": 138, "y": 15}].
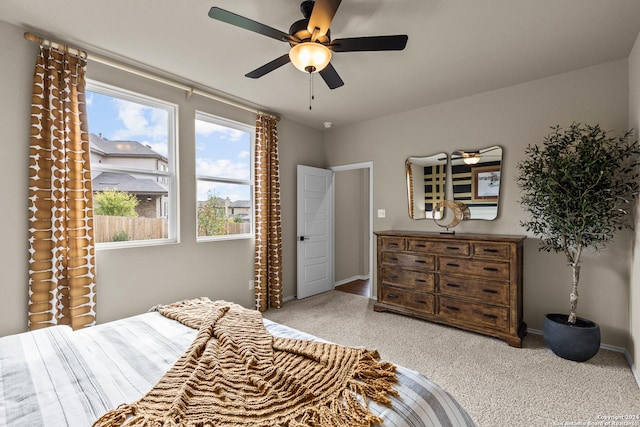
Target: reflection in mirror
[
  {"x": 475, "y": 175},
  {"x": 426, "y": 180}
]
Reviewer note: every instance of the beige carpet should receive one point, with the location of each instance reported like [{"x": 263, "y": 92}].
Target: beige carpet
[{"x": 498, "y": 385}]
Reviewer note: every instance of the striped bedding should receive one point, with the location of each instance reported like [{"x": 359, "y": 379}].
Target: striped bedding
[{"x": 57, "y": 377}]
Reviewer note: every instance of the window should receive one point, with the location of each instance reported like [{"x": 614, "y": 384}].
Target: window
[
  {"x": 224, "y": 178},
  {"x": 133, "y": 169}
]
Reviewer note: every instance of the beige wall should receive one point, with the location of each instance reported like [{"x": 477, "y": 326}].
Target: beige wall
[
  {"x": 634, "y": 298},
  {"x": 132, "y": 280},
  {"x": 511, "y": 117},
  {"x": 351, "y": 224}
]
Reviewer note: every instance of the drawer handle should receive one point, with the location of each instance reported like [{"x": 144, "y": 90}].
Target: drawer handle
[
  {"x": 421, "y": 281},
  {"x": 420, "y": 261},
  {"x": 493, "y": 251},
  {"x": 453, "y": 248},
  {"x": 421, "y": 246},
  {"x": 421, "y": 301},
  {"x": 453, "y": 285},
  {"x": 392, "y": 244},
  {"x": 450, "y": 307},
  {"x": 392, "y": 276},
  {"x": 490, "y": 291},
  {"x": 492, "y": 269},
  {"x": 392, "y": 296},
  {"x": 450, "y": 264},
  {"x": 490, "y": 316},
  {"x": 392, "y": 258}
]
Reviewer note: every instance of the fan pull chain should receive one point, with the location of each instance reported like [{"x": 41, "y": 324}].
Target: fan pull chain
[{"x": 311, "y": 94}]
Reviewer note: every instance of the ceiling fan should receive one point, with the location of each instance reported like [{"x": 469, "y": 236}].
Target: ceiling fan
[
  {"x": 310, "y": 40},
  {"x": 473, "y": 157}
]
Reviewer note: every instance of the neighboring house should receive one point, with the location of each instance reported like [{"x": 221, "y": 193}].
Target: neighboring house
[
  {"x": 151, "y": 192},
  {"x": 238, "y": 208}
]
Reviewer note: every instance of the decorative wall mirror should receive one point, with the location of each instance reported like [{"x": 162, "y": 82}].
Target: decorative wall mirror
[
  {"x": 426, "y": 181},
  {"x": 475, "y": 175}
]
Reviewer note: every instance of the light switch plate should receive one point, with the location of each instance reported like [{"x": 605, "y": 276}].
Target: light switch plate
[{"x": 382, "y": 213}]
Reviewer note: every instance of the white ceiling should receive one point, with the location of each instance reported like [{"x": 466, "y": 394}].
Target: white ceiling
[{"x": 456, "y": 48}]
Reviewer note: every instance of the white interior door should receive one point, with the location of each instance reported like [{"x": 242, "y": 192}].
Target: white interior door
[{"x": 315, "y": 231}]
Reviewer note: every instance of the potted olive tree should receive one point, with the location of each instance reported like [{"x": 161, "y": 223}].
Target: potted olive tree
[{"x": 576, "y": 189}]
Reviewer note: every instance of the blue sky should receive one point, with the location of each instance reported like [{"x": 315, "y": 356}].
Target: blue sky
[{"x": 220, "y": 151}]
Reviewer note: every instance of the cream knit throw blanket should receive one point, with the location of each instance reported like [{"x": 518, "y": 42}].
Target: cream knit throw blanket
[{"x": 237, "y": 374}]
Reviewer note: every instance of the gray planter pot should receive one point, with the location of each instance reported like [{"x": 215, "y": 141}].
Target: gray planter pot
[{"x": 579, "y": 342}]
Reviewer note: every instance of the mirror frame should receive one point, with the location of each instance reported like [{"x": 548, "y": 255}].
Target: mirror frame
[{"x": 440, "y": 179}]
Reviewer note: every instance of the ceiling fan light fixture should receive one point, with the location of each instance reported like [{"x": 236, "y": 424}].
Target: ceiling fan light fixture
[
  {"x": 310, "y": 57},
  {"x": 470, "y": 158}
]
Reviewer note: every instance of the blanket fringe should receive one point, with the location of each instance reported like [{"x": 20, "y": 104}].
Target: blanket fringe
[
  {"x": 372, "y": 379},
  {"x": 116, "y": 418}
]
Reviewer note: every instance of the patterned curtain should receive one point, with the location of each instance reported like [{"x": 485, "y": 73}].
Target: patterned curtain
[
  {"x": 61, "y": 244},
  {"x": 268, "y": 262}
]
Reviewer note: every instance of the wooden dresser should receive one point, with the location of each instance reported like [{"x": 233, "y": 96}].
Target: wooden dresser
[{"x": 470, "y": 281}]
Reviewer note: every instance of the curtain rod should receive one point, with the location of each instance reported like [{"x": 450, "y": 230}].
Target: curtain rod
[{"x": 106, "y": 61}]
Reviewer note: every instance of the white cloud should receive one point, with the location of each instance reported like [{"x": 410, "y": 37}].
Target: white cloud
[
  {"x": 234, "y": 192},
  {"x": 206, "y": 129},
  {"x": 223, "y": 169},
  {"x": 140, "y": 121},
  {"x": 158, "y": 147}
]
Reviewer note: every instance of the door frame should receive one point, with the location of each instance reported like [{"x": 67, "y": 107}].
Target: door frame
[{"x": 355, "y": 166}]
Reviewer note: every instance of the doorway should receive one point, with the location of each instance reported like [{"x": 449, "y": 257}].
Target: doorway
[{"x": 353, "y": 241}]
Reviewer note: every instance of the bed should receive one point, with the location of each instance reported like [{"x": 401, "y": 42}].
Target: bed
[{"x": 59, "y": 377}]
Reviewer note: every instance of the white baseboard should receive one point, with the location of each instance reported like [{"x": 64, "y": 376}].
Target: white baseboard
[
  {"x": 350, "y": 279},
  {"x": 622, "y": 350}
]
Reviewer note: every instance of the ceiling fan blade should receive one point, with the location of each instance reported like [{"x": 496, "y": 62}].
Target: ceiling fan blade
[
  {"x": 331, "y": 77},
  {"x": 269, "y": 67},
  {"x": 248, "y": 24},
  {"x": 373, "y": 43},
  {"x": 322, "y": 15}
]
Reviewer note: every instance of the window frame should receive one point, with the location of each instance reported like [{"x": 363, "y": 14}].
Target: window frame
[
  {"x": 172, "y": 175},
  {"x": 243, "y": 127}
]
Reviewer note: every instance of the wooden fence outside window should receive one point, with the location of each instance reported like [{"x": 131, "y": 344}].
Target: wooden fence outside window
[{"x": 122, "y": 228}]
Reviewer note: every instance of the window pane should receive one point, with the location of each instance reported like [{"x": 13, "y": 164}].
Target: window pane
[
  {"x": 224, "y": 202},
  {"x": 131, "y": 133},
  {"x": 223, "y": 209},
  {"x": 131, "y": 166},
  {"x": 222, "y": 152}
]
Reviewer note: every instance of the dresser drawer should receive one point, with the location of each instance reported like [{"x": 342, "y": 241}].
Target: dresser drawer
[
  {"x": 407, "y": 260},
  {"x": 408, "y": 279},
  {"x": 471, "y": 313},
  {"x": 491, "y": 250},
  {"x": 438, "y": 248},
  {"x": 483, "y": 290},
  {"x": 391, "y": 243},
  {"x": 412, "y": 300},
  {"x": 495, "y": 270}
]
